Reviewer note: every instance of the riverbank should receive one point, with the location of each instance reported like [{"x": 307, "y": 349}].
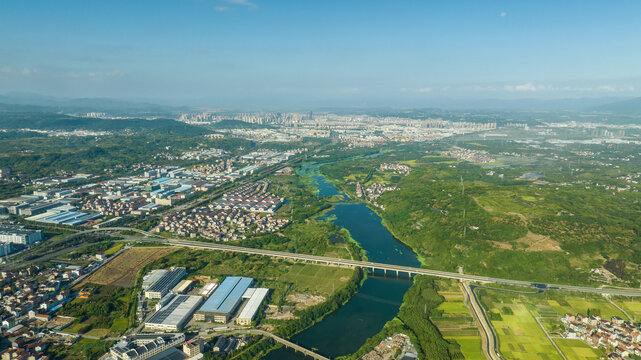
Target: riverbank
[{"x": 377, "y": 300}]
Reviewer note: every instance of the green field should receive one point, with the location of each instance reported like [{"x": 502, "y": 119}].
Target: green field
[
  {"x": 520, "y": 337},
  {"x": 114, "y": 249},
  {"x": 453, "y": 307},
  {"x": 513, "y": 317},
  {"x": 316, "y": 279},
  {"x": 455, "y": 321},
  {"x": 632, "y": 307},
  {"x": 470, "y": 346},
  {"x": 574, "y": 305},
  {"x": 575, "y": 349}
]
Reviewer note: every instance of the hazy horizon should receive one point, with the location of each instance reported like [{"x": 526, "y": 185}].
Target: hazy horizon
[{"x": 330, "y": 53}]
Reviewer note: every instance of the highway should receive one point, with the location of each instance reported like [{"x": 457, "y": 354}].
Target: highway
[{"x": 397, "y": 269}]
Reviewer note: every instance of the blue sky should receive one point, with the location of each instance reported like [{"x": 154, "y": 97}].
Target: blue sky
[{"x": 249, "y": 52}]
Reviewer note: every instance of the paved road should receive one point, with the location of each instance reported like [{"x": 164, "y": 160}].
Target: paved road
[
  {"x": 386, "y": 267},
  {"x": 365, "y": 264},
  {"x": 488, "y": 337}
]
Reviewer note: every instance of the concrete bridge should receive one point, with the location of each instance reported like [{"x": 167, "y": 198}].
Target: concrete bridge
[
  {"x": 387, "y": 268},
  {"x": 288, "y": 344}
]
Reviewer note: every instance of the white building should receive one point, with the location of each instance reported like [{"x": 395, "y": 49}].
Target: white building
[{"x": 19, "y": 235}]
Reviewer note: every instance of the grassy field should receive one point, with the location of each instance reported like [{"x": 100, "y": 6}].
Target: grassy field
[
  {"x": 122, "y": 270},
  {"x": 316, "y": 279},
  {"x": 114, "y": 249},
  {"x": 83, "y": 349}
]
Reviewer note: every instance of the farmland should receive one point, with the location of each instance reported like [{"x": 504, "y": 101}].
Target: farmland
[
  {"x": 122, "y": 270},
  {"x": 454, "y": 321},
  {"x": 514, "y": 319}
]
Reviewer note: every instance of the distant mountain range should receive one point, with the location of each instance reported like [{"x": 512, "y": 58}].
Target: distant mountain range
[
  {"x": 29, "y": 102},
  {"x": 625, "y": 107}
]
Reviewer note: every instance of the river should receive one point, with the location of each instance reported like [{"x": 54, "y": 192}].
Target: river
[{"x": 379, "y": 298}]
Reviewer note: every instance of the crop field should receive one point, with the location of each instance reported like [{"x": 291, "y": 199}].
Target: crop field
[
  {"x": 520, "y": 337},
  {"x": 513, "y": 317},
  {"x": 455, "y": 322},
  {"x": 633, "y": 308},
  {"x": 574, "y": 305},
  {"x": 578, "y": 349},
  {"x": 122, "y": 270}
]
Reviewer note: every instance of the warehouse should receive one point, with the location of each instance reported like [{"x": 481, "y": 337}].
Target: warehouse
[
  {"x": 165, "y": 283},
  {"x": 256, "y": 297},
  {"x": 223, "y": 302},
  {"x": 175, "y": 314},
  {"x": 182, "y": 287}
]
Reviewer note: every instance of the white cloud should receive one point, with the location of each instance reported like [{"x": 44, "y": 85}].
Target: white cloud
[
  {"x": 246, "y": 3},
  {"x": 608, "y": 88},
  {"x": 425, "y": 90},
  {"x": 525, "y": 87},
  {"x": 479, "y": 88},
  {"x": 24, "y": 72},
  {"x": 221, "y": 8},
  {"x": 503, "y": 14}
]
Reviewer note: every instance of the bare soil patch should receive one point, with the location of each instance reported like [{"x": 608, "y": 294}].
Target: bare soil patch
[{"x": 122, "y": 270}]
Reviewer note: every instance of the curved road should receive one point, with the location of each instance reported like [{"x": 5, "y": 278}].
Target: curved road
[{"x": 489, "y": 344}]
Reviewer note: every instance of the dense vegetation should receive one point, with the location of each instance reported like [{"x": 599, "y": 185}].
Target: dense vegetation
[
  {"x": 506, "y": 226},
  {"x": 105, "y": 306},
  {"x": 413, "y": 319}
]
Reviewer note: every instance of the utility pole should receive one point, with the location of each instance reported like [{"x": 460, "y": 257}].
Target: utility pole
[{"x": 464, "y": 227}]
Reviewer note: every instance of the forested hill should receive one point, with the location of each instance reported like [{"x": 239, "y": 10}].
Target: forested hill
[
  {"x": 48, "y": 121},
  {"x": 630, "y": 107}
]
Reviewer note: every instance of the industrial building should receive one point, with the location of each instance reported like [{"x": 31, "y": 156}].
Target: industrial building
[
  {"x": 175, "y": 314},
  {"x": 66, "y": 217},
  {"x": 222, "y": 304},
  {"x": 141, "y": 347},
  {"x": 152, "y": 277},
  {"x": 19, "y": 235},
  {"x": 182, "y": 287},
  {"x": 165, "y": 283},
  {"x": 256, "y": 297}
]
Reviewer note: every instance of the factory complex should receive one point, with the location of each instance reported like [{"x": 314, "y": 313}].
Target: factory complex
[{"x": 212, "y": 303}]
